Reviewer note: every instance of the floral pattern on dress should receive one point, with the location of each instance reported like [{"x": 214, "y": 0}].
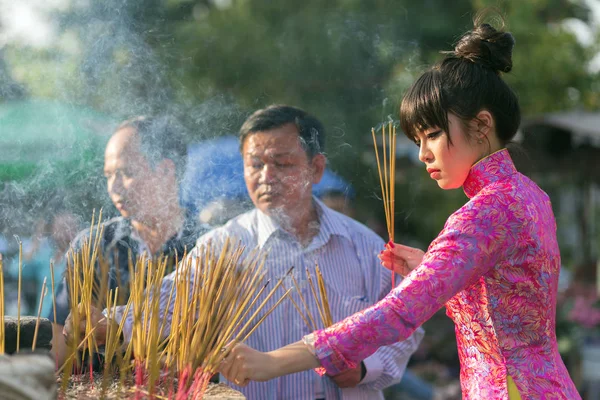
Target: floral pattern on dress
[{"x": 495, "y": 267}]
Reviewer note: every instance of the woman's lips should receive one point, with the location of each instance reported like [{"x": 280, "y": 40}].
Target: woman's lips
[{"x": 434, "y": 173}]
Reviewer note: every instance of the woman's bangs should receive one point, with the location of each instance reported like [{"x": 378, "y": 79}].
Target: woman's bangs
[{"x": 422, "y": 108}]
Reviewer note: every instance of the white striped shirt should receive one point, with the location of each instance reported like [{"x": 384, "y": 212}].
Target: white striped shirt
[{"x": 346, "y": 252}]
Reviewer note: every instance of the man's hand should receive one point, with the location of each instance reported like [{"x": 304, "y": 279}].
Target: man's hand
[
  {"x": 349, "y": 378},
  {"x": 97, "y": 319}
]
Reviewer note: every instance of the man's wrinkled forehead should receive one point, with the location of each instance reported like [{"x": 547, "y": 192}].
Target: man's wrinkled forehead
[{"x": 273, "y": 146}]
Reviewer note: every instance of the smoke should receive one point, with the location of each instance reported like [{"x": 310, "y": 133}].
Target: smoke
[
  {"x": 51, "y": 152},
  {"x": 125, "y": 59}
]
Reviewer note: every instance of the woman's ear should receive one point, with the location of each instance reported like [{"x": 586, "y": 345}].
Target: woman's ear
[{"x": 484, "y": 124}]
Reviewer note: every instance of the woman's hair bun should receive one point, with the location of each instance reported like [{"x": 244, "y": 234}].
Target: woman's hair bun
[{"x": 487, "y": 46}]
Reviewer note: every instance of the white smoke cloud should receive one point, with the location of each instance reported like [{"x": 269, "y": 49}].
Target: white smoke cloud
[{"x": 28, "y": 22}]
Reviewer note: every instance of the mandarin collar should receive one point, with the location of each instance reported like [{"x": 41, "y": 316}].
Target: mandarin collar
[{"x": 488, "y": 170}]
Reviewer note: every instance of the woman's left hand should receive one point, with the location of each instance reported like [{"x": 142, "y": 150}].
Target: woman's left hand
[
  {"x": 244, "y": 364},
  {"x": 400, "y": 259}
]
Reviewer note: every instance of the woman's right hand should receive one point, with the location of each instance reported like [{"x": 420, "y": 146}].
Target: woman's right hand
[
  {"x": 244, "y": 364},
  {"x": 401, "y": 259}
]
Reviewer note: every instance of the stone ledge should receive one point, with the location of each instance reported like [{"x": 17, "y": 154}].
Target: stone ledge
[{"x": 44, "y": 336}]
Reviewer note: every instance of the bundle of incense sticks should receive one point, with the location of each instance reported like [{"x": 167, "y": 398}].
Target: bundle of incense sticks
[
  {"x": 386, "y": 167},
  {"x": 220, "y": 300},
  {"x": 82, "y": 284},
  {"x": 320, "y": 300},
  {"x": 218, "y": 297}
]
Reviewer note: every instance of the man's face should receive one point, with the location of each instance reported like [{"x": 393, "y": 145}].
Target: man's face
[
  {"x": 131, "y": 181},
  {"x": 279, "y": 174}
]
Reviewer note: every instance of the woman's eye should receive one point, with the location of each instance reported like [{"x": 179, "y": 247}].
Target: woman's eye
[
  {"x": 418, "y": 143},
  {"x": 433, "y": 135}
]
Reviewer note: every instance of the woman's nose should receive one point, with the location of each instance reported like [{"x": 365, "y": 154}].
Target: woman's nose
[{"x": 425, "y": 154}]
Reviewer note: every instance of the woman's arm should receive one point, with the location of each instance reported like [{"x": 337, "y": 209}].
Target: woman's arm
[
  {"x": 472, "y": 242},
  {"x": 244, "y": 363}
]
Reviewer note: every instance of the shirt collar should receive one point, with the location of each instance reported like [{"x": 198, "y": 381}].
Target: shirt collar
[
  {"x": 266, "y": 227},
  {"x": 185, "y": 239},
  {"x": 330, "y": 223},
  {"x": 488, "y": 170}
]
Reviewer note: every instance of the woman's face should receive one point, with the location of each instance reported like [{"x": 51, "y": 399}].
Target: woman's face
[{"x": 448, "y": 164}]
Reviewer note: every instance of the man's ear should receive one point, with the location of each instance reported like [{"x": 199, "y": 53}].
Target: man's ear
[{"x": 318, "y": 163}]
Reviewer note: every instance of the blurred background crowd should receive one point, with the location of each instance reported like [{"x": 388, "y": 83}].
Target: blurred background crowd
[{"x": 70, "y": 70}]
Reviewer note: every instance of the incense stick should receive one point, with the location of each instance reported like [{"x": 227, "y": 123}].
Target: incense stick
[
  {"x": 2, "y": 333},
  {"x": 19, "y": 295},
  {"x": 37, "y": 321}
]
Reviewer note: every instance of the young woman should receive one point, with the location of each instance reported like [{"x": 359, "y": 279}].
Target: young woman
[{"x": 495, "y": 264}]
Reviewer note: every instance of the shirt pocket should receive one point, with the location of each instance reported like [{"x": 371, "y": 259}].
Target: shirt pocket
[{"x": 343, "y": 306}]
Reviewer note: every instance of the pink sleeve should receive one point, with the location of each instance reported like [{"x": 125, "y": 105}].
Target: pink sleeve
[{"x": 470, "y": 244}]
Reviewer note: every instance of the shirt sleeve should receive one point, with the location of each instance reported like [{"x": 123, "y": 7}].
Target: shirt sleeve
[
  {"x": 470, "y": 244},
  {"x": 386, "y": 366}
]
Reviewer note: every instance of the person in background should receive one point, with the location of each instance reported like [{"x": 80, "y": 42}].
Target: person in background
[
  {"x": 45, "y": 247},
  {"x": 143, "y": 163},
  {"x": 580, "y": 305},
  {"x": 37, "y": 251}
]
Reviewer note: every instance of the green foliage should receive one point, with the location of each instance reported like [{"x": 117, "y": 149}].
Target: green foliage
[
  {"x": 550, "y": 65},
  {"x": 16, "y": 172}
]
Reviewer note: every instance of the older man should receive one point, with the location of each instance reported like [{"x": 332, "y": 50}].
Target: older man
[
  {"x": 143, "y": 163},
  {"x": 282, "y": 149},
  {"x": 283, "y": 152}
]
